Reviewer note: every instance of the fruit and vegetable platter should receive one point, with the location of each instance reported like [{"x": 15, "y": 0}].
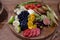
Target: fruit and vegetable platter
[{"x": 33, "y": 19}]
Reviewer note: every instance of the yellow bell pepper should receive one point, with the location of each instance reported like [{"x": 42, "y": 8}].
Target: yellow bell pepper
[{"x": 30, "y": 21}]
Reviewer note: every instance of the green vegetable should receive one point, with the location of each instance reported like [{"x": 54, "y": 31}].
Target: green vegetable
[
  {"x": 18, "y": 29},
  {"x": 29, "y": 2},
  {"x": 42, "y": 17},
  {"x": 53, "y": 13},
  {"x": 48, "y": 14},
  {"x": 10, "y": 21},
  {"x": 37, "y": 15},
  {"x": 51, "y": 17}
]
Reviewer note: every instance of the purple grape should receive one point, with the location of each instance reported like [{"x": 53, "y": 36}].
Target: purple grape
[
  {"x": 39, "y": 23},
  {"x": 23, "y": 19}
]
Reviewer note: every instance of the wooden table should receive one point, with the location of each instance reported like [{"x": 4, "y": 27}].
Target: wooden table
[{"x": 5, "y": 32}]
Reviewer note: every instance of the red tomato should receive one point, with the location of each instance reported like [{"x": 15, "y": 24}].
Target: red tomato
[
  {"x": 32, "y": 6},
  {"x": 27, "y": 6},
  {"x": 38, "y": 5}
]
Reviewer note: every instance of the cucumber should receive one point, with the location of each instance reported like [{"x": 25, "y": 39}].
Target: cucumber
[{"x": 12, "y": 18}]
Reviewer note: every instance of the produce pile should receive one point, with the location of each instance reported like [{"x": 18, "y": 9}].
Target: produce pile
[{"x": 32, "y": 17}]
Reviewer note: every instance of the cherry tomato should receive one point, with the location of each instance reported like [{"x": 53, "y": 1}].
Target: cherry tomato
[
  {"x": 32, "y": 6},
  {"x": 38, "y": 5},
  {"x": 27, "y": 6}
]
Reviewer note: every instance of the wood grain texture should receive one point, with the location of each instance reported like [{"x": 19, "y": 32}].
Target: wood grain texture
[{"x": 5, "y": 32}]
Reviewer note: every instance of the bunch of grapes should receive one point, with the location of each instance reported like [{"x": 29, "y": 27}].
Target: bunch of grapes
[
  {"x": 40, "y": 23},
  {"x": 23, "y": 19}
]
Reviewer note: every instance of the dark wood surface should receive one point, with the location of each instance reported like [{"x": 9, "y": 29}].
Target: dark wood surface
[{"x": 5, "y": 32}]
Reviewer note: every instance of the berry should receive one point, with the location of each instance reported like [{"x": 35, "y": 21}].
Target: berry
[
  {"x": 23, "y": 15},
  {"x": 23, "y": 19}
]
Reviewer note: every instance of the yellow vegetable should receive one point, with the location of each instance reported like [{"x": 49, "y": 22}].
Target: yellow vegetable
[{"x": 30, "y": 21}]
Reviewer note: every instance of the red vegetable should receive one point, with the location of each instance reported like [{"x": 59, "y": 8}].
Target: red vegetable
[
  {"x": 34, "y": 32},
  {"x": 46, "y": 21},
  {"x": 38, "y": 5},
  {"x": 31, "y": 32},
  {"x": 27, "y": 6},
  {"x": 26, "y": 32},
  {"x": 38, "y": 31},
  {"x": 32, "y": 6}
]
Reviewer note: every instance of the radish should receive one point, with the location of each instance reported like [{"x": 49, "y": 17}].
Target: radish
[{"x": 46, "y": 21}]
